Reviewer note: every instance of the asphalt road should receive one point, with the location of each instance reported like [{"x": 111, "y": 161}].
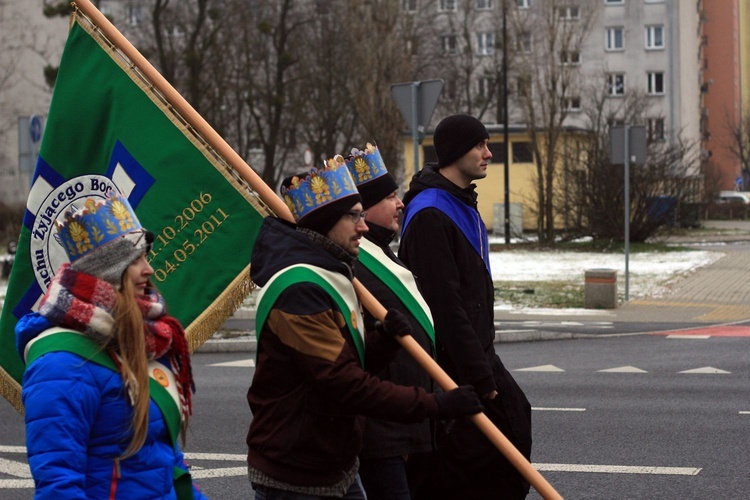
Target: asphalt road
[{"x": 628, "y": 417}]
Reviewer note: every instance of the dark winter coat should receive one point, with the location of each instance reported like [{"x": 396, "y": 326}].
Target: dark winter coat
[
  {"x": 459, "y": 291},
  {"x": 384, "y": 438},
  {"x": 309, "y": 394}
]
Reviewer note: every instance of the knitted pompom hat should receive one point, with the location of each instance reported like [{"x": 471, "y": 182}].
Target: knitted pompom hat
[
  {"x": 103, "y": 238},
  {"x": 455, "y": 135}
]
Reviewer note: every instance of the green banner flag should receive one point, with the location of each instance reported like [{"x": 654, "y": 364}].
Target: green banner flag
[{"x": 108, "y": 129}]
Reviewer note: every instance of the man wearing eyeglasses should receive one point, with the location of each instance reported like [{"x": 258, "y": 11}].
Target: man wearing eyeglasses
[{"x": 310, "y": 392}]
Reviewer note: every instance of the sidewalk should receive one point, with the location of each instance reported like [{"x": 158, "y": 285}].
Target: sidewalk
[{"x": 718, "y": 293}]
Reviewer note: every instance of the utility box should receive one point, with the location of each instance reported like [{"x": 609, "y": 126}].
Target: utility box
[
  {"x": 516, "y": 219},
  {"x": 600, "y": 289}
]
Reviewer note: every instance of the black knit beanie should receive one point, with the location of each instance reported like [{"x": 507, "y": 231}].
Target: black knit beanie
[
  {"x": 455, "y": 135},
  {"x": 322, "y": 219},
  {"x": 376, "y": 190}
]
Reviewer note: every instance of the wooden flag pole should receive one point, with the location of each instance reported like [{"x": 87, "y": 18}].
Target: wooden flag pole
[
  {"x": 282, "y": 210},
  {"x": 480, "y": 420}
]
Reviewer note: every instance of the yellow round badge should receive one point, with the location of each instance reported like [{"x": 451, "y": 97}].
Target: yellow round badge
[{"x": 161, "y": 377}]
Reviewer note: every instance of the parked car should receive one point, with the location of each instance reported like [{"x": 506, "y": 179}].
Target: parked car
[{"x": 742, "y": 197}]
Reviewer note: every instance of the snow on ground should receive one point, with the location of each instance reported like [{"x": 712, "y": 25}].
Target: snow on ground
[{"x": 649, "y": 273}]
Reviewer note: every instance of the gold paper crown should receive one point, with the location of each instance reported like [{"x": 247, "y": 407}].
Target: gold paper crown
[
  {"x": 366, "y": 165},
  {"x": 99, "y": 222},
  {"x": 319, "y": 188}
]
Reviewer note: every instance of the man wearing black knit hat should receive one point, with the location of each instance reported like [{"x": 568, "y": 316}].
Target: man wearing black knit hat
[
  {"x": 395, "y": 457},
  {"x": 444, "y": 243},
  {"x": 310, "y": 392}
]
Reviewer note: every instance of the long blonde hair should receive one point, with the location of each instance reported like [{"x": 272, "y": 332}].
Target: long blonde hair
[{"x": 130, "y": 341}]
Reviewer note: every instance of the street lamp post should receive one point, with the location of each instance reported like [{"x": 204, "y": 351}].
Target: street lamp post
[{"x": 506, "y": 173}]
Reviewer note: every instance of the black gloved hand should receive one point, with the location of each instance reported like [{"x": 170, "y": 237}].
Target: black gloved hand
[
  {"x": 458, "y": 402},
  {"x": 396, "y": 324}
]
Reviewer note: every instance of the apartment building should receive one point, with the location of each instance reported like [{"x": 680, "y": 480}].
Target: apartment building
[{"x": 725, "y": 88}]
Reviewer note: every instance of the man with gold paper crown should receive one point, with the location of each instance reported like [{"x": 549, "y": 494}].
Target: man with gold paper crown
[
  {"x": 310, "y": 391},
  {"x": 394, "y": 454}
]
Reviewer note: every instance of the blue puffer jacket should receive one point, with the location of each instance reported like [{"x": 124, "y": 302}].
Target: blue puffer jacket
[{"x": 78, "y": 422}]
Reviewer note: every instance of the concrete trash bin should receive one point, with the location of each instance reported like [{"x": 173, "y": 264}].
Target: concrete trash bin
[{"x": 600, "y": 289}]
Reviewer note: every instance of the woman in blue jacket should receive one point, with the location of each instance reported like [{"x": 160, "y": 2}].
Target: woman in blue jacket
[{"x": 108, "y": 383}]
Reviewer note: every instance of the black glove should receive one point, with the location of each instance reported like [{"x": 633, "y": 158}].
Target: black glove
[
  {"x": 396, "y": 324},
  {"x": 458, "y": 402}
]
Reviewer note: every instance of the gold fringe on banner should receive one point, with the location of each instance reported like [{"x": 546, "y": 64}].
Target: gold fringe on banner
[{"x": 210, "y": 320}]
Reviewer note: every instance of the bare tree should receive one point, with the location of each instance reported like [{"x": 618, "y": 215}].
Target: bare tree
[
  {"x": 738, "y": 143},
  {"x": 380, "y": 57},
  {"x": 547, "y": 77},
  {"x": 591, "y": 191}
]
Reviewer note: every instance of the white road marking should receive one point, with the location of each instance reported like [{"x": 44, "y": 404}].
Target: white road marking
[
  {"x": 14, "y": 468},
  {"x": 12, "y": 449},
  {"x": 705, "y": 369},
  {"x": 688, "y": 337},
  {"x": 243, "y": 363},
  {"x": 12, "y": 484},
  {"x": 557, "y": 409},
  {"x": 623, "y": 369},
  {"x": 232, "y": 457},
  {"x": 199, "y": 472},
  {"x": 541, "y": 368},
  {"x": 619, "y": 469},
  {"x": 225, "y": 472},
  {"x": 743, "y": 412}
]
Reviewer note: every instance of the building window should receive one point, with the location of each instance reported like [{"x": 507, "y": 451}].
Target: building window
[
  {"x": 655, "y": 37},
  {"x": 569, "y": 12},
  {"x": 449, "y": 44},
  {"x": 523, "y": 4},
  {"x": 485, "y": 87},
  {"x": 522, "y": 152},
  {"x": 412, "y": 46},
  {"x": 656, "y": 129},
  {"x": 484, "y": 4},
  {"x": 615, "y": 38},
  {"x": 485, "y": 44},
  {"x": 450, "y": 90},
  {"x": 570, "y": 57},
  {"x": 498, "y": 150},
  {"x": 524, "y": 42},
  {"x": 655, "y": 83},
  {"x": 573, "y": 104},
  {"x": 616, "y": 84},
  {"x": 135, "y": 15},
  {"x": 614, "y": 2},
  {"x": 409, "y": 5},
  {"x": 523, "y": 86},
  {"x": 447, "y": 5}
]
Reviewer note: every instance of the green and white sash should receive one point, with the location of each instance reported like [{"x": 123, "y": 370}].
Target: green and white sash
[
  {"x": 400, "y": 281},
  {"x": 336, "y": 285}
]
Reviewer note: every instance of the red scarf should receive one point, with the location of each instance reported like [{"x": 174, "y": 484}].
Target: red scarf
[{"x": 85, "y": 303}]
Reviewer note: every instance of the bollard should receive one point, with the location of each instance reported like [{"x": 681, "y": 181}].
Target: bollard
[{"x": 600, "y": 289}]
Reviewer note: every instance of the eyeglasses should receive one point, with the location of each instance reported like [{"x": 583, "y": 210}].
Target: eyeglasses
[{"x": 355, "y": 216}]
